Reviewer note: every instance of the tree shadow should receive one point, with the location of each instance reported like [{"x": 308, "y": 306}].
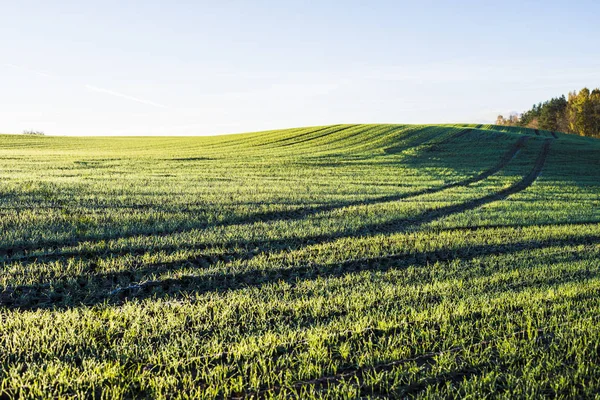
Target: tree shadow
[{"x": 115, "y": 287}]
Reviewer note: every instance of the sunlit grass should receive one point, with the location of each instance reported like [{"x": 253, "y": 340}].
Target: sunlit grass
[{"x": 337, "y": 262}]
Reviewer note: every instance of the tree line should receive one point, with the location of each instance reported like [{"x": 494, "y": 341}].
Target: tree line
[{"x": 578, "y": 114}]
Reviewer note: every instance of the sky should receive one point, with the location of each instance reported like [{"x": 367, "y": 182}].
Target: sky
[{"x": 211, "y": 67}]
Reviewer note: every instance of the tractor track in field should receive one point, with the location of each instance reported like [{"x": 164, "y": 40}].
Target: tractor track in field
[
  {"x": 431, "y": 215},
  {"x": 280, "y": 216},
  {"x": 88, "y": 289},
  {"x": 506, "y": 158}
]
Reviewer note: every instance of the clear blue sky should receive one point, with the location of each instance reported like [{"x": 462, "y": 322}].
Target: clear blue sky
[{"x": 181, "y": 68}]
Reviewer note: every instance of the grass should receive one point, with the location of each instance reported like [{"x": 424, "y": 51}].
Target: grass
[{"x": 328, "y": 262}]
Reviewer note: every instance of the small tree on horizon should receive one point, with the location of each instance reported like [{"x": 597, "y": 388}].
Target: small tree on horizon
[{"x": 34, "y": 133}]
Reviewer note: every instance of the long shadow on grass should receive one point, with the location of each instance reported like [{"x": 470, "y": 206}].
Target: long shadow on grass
[
  {"x": 415, "y": 141},
  {"x": 115, "y": 287},
  {"x": 430, "y": 299},
  {"x": 270, "y": 216},
  {"x": 297, "y": 214},
  {"x": 222, "y": 279}
]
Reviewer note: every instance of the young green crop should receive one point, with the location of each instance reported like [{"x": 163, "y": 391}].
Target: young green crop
[{"x": 338, "y": 261}]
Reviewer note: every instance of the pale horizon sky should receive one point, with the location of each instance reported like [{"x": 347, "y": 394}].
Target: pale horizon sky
[{"x": 171, "y": 68}]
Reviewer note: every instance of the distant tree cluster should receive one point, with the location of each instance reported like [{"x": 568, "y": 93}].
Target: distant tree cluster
[
  {"x": 579, "y": 114},
  {"x": 34, "y": 133}
]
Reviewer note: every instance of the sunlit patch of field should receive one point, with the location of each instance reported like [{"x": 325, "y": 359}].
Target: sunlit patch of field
[{"x": 326, "y": 262}]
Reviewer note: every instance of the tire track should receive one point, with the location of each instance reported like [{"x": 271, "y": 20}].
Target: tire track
[
  {"x": 395, "y": 226},
  {"x": 517, "y": 187},
  {"x": 506, "y": 158},
  {"x": 279, "y": 216}
]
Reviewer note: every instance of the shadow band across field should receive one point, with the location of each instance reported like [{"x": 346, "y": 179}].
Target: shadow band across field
[
  {"x": 298, "y": 214},
  {"x": 348, "y": 370},
  {"x": 91, "y": 289},
  {"x": 50, "y": 245},
  {"x": 99, "y": 288}
]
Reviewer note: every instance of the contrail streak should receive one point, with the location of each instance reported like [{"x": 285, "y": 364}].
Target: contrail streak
[{"x": 89, "y": 87}]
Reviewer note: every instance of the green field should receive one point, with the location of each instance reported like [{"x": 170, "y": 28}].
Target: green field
[{"x": 329, "y": 262}]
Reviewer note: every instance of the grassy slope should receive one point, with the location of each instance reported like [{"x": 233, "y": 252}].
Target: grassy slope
[{"x": 341, "y": 261}]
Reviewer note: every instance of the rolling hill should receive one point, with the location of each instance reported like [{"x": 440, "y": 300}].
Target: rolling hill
[{"x": 337, "y": 261}]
